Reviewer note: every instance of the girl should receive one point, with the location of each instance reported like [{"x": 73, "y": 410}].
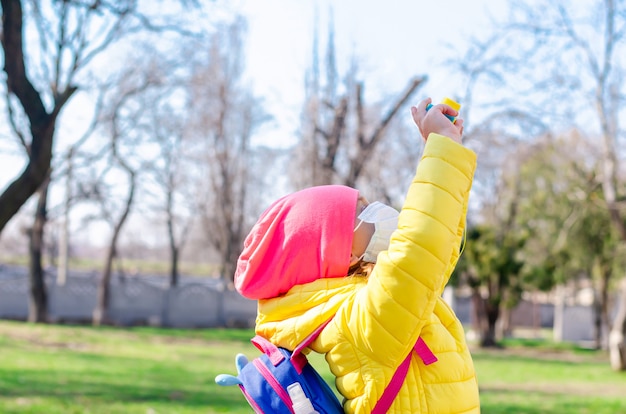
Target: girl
[{"x": 296, "y": 259}]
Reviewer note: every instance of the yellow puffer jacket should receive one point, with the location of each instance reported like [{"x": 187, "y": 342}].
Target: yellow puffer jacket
[{"x": 378, "y": 320}]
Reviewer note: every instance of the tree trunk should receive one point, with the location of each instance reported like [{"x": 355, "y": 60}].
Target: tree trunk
[
  {"x": 42, "y": 123},
  {"x": 42, "y": 126},
  {"x": 38, "y": 299},
  {"x": 227, "y": 272},
  {"x": 174, "y": 267},
  {"x": 559, "y": 310},
  {"x": 172, "y": 239},
  {"x": 503, "y": 325},
  {"x": 174, "y": 258},
  {"x": 64, "y": 242},
  {"x": 605, "y": 322},
  {"x": 602, "y": 273},
  {"x": 100, "y": 313},
  {"x": 479, "y": 317},
  {"x": 597, "y": 321},
  {"x": 617, "y": 337},
  {"x": 492, "y": 313}
]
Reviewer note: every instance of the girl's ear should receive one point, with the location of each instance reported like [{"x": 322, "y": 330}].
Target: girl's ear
[{"x": 353, "y": 259}]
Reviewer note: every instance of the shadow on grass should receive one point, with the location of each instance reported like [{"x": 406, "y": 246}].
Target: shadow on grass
[
  {"x": 87, "y": 332},
  {"x": 529, "y": 357},
  {"x": 109, "y": 379},
  {"x": 102, "y": 393},
  {"x": 142, "y": 332},
  {"x": 502, "y": 401},
  {"x": 547, "y": 345},
  {"x": 208, "y": 334}
]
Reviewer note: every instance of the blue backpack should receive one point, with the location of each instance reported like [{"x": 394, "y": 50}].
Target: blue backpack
[{"x": 266, "y": 381}]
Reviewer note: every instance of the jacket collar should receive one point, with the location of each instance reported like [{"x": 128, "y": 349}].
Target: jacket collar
[{"x": 287, "y": 320}]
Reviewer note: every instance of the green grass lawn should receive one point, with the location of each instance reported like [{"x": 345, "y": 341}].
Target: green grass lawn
[
  {"x": 537, "y": 377},
  {"x": 64, "y": 369},
  {"x": 68, "y": 369}
]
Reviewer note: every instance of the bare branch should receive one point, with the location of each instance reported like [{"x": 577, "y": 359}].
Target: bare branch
[
  {"x": 14, "y": 126},
  {"x": 17, "y": 80}
]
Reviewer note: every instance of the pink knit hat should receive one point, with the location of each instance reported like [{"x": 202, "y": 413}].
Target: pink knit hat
[{"x": 302, "y": 237}]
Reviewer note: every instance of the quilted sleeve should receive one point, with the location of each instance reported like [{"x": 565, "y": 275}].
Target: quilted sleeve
[{"x": 389, "y": 314}]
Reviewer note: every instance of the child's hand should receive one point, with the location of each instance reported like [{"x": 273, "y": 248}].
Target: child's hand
[{"x": 435, "y": 121}]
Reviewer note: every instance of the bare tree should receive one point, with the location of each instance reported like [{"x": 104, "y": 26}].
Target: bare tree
[
  {"x": 38, "y": 298},
  {"x": 66, "y": 169},
  {"x": 41, "y": 121},
  {"x": 100, "y": 313},
  {"x": 69, "y": 37},
  {"x": 224, "y": 114},
  {"x": 176, "y": 190},
  {"x": 341, "y": 131},
  {"x": 127, "y": 120},
  {"x": 67, "y": 44},
  {"x": 40, "y": 126}
]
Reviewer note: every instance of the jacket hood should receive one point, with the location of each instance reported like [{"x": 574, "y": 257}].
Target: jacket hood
[{"x": 301, "y": 237}]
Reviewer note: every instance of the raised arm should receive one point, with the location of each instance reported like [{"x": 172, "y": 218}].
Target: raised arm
[{"x": 389, "y": 314}]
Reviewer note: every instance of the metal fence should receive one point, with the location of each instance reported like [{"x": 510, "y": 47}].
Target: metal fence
[
  {"x": 195, "y": 303},
  {"x": 203, "y": 302}
]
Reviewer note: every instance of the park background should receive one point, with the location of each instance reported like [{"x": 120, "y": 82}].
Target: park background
[{"x": 140, "y": 141}]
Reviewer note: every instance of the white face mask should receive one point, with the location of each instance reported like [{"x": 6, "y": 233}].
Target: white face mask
[{"x": 385, "y": 221}]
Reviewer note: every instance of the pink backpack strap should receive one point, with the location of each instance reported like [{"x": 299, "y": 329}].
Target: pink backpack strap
[
  {"x": 268, "y": 349},
  {"x": 397, "y": 380},
  {"x": 298, "y": 359},
  {"x": 424, "y": 352}
]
